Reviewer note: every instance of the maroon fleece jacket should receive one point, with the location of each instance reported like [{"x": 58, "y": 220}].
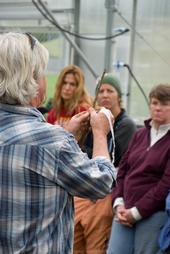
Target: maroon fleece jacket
[{"x": 144, "y": 173}]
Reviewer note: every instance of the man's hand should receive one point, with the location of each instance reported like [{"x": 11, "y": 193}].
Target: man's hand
[
  {"x": 100, "y": 128},
  {"x": 77, "y": 123},
  {"x": 99, "y": 122}
]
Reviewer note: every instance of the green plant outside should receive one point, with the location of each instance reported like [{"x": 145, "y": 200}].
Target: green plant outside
[
  {"x": 54, "y": 47},
  {"x": 51, "y": 83}
]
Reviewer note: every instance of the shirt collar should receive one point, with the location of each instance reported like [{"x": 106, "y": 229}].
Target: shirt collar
[
  {"x": 162, "y": 128},
  {"x": 148, "y": 124},
  {"x": 23, "y": 110}
]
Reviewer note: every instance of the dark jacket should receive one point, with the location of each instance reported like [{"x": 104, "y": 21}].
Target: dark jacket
[{"x": 124, "y": 129}]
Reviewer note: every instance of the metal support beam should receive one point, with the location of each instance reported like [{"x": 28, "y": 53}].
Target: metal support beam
[
  {"x": 76, "y": 28},
  {"x": 109, "y": 5},
  {"x": 132, "y": 51},
  {"x": 73, "y": 44}
]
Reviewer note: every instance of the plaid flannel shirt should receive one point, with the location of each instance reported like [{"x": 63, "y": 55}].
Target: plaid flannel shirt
[{"x": 41, "y": 169}]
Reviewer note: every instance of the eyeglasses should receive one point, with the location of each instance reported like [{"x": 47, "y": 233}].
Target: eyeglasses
[{"x": 32, "y": 40}]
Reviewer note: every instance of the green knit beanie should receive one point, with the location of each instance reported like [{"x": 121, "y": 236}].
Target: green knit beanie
[{"x": 111, "y": 80}]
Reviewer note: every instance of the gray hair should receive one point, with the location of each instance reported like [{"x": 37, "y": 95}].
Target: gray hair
[{"x": 20, "y": 68}]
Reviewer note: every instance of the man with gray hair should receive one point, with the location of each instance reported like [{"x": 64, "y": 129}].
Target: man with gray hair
[{"x": 41, "y": 165}]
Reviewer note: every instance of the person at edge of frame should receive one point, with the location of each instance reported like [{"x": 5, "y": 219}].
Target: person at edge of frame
[
  {"x": 143, "y": 182},
  {"x": 41, "y": 165}
]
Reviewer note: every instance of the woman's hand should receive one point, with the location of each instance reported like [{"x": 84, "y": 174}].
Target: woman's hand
[
  {"x": 129, "y": 217},
  {"x": 123, "y": 216}
]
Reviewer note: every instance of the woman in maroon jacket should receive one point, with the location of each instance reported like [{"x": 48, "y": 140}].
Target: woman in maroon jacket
[{"x": 143, "y": 182}]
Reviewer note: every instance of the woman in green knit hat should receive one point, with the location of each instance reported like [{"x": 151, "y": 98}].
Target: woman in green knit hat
[
  {"x": 93, "y": 220},
  {"x": 112, "y": 80}
]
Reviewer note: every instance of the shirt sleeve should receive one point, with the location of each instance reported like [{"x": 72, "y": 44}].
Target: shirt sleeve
[
  {"x": 135, "y": 213},
  {"x": 118, "y": 201},
  {"x": 81, "y": 176},
  {"x": 64, "y": 164}
]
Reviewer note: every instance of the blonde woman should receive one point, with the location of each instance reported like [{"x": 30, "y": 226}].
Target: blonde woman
[{"x": 70, "y": 96}]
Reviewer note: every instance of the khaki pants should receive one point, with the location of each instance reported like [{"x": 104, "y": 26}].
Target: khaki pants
[{"x": 93, "y": 222}]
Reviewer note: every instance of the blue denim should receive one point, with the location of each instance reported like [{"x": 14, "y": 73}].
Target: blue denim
[
  {"x": 121, "y": 239},
  {"x": 140, "y": 239}
]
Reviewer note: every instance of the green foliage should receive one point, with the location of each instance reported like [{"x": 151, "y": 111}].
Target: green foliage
[
  {"x": 54, "y": 47},
  {"x": 51, "y": 41},
  {"x": 51, "y": 83}
]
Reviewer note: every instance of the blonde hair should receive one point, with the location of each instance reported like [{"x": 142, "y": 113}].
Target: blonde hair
[
  {"x": 20, "y": 68},
  {"x": 80, "y": 96}
]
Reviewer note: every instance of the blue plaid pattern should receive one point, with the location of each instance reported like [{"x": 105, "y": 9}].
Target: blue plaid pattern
[{"x": 41, "y": 168}]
